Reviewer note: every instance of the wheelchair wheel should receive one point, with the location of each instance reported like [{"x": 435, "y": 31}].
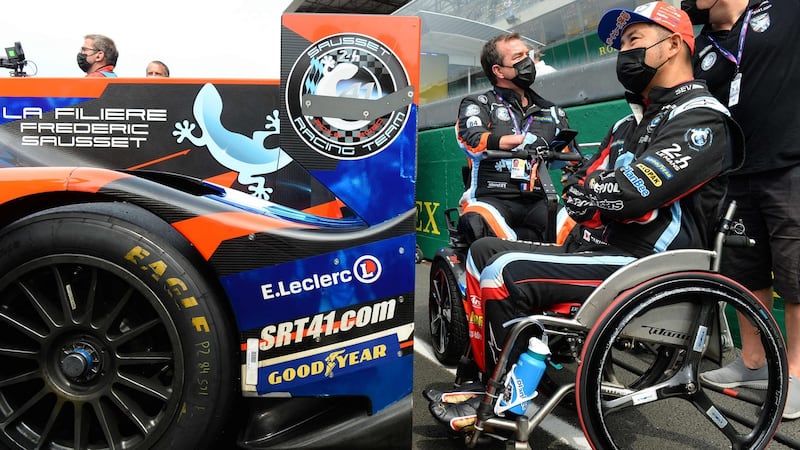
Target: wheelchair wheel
[
  {"x": 638, "y": 383},
  {"x": 448, "y": 321}
]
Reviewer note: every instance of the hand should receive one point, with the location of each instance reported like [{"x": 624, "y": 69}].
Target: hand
[
  {"x": 569, "y": 170},
  {"x": 529, "y": 139},
  {"x": 580, "y": 207}
]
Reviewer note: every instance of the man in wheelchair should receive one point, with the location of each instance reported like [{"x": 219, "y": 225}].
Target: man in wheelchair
[
  {"x": 500, "y": 198},
  {"x": 655, "y": 184}
]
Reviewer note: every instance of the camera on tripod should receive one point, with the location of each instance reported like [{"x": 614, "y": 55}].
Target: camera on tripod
[{"x": 14, "y": 60}]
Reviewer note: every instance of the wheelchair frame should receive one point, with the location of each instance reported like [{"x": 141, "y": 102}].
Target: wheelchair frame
[{"x": 692, "y": 264}]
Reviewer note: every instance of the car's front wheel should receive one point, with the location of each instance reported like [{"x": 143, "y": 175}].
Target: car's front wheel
[{"x": 110, "y": 337}]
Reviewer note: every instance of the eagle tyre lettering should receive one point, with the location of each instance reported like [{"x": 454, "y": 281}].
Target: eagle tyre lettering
[{"x": 122, "y": 342}]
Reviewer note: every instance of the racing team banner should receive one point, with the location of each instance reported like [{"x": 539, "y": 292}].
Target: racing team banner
[
  {"x": 343, "y": 320},
  {"x": 331, "y": 146},
  {"x": 223, "y": 131},
  {"x": 347, "y": 85}
]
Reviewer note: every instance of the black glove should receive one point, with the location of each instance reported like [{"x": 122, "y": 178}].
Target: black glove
[
  {"x": 580, "y": 206},
  {"x": 569, "y": 170}
]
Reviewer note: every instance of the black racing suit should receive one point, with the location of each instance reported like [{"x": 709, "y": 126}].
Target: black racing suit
[
  {"x": 654, "y": 185},
  {"x": 497, "y": 201}
]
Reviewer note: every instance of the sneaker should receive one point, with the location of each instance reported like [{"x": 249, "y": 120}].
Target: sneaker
[
  {"x": 792, "y": 409},
  {"x": 736, "y": 374},
  {"x": 456, "y": 416}
]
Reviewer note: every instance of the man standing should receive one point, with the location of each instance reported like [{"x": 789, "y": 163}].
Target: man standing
[
  {"x": 746, "y": 52},
  {"x": 98, "y": 56},
  {"x": 157, "y": 69}
]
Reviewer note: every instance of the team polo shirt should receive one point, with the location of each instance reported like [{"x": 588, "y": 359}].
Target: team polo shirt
[{"x": 767, "y": 107}]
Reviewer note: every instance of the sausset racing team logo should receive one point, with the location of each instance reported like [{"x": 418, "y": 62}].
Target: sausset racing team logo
[{"x": 348, "y": 96}]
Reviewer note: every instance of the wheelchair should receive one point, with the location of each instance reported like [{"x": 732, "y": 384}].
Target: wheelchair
[
  {"x": 639, "y": 343},
  {"x": 447, "y": 314}
]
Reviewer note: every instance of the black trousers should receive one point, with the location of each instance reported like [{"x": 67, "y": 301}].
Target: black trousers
[{"x": 511, "y": 279}]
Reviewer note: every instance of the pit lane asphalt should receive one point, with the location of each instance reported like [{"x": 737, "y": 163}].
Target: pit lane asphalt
[{"x": 560, "y": 430}]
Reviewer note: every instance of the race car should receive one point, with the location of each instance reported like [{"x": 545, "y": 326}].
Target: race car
[{"x": 183, "y": 265}]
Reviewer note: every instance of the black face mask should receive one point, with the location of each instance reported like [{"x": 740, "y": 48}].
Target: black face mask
[
  {"x": 632, "y": 72},
  {"x": 697, "y": 16},
  {"x": 83, "y": 63},
  {"x": 526, "y": 73}
]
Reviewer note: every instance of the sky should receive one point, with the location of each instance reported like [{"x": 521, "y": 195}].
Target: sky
[{"x": 196, "y": 39}]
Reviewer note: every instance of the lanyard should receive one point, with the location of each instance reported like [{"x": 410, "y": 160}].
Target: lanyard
[
  {"x": 514, "y": 117},
  {"x": 738, "y": 58},
  {"x": 521, "y": 172}
]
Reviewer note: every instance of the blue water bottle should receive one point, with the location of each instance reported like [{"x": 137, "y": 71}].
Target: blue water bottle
[{"x": 523, "y": 379}]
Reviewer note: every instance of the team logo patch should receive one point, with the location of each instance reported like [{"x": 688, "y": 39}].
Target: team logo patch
[
  {"x": 699, "y": 138},
  {"x": 472, "y": 110},
  {"x": 654, "y": 123},
  {"x": 502, "y": 114},
  {"x": 709, "y": 61},
  {"x": 348, "y": 96},
  {"x": 483, "y": 99},
  {"x": 760, "y": 23},
  {"x": 474, "y": 122}
]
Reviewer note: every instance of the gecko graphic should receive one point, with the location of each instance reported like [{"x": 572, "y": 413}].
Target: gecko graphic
[{"x": 237, "y": 152}]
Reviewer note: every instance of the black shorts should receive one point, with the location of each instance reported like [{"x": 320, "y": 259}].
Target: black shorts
[{"x": 769, "y": 207}]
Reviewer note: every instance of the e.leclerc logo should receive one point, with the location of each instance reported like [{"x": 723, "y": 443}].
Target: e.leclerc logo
[
  {"x": 348, "y": 96},
  {"x": 367, "y": 269}
]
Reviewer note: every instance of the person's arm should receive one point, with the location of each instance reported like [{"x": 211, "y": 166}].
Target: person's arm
[
  {"x": 474, "y": 129},
  {"x": 580, "y": 206},
  {"x": 685, "y": 154}
]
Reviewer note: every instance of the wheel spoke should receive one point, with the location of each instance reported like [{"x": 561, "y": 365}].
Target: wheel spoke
[
  {"x": 717, "y": 418},
  {"x": 436, "y": 324},
  {"x": 704, "y": 320},
  {"x": 80, "y": 429},
  {"x": 443, "y": 336},
  {"x": 145, "y": 385},
  {"x": 133, "y": 411},
  {"x": 65, "y": 295},
  {"x": 23, "y": 327},
  {"x": 145, "y": 358},
  {"x": 24, "y": 408},
  {"x": 20, "y": 353},
  {"x": 39, "y": 306},
  {"x": 91, "y": 296},
  {"x": 20, "y": 378},
  {"x": 134, "y": 333},
  {"x": 436, "y": 291},
  {"x": 78, "y": 293},
  {"x": 108, "y": 423},
  {"x": 104, "y": 324},
  {"x": 51, "y": 420},
  {"x": 627, "y": 397}
]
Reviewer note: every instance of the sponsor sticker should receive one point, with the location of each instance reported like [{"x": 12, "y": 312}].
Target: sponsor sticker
[
  {"x": 699, "y": 138},
  {"x": 348, "y": 96}
]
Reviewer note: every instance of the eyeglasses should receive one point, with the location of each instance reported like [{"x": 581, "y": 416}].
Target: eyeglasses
[{"x": 87, "y": 49}]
